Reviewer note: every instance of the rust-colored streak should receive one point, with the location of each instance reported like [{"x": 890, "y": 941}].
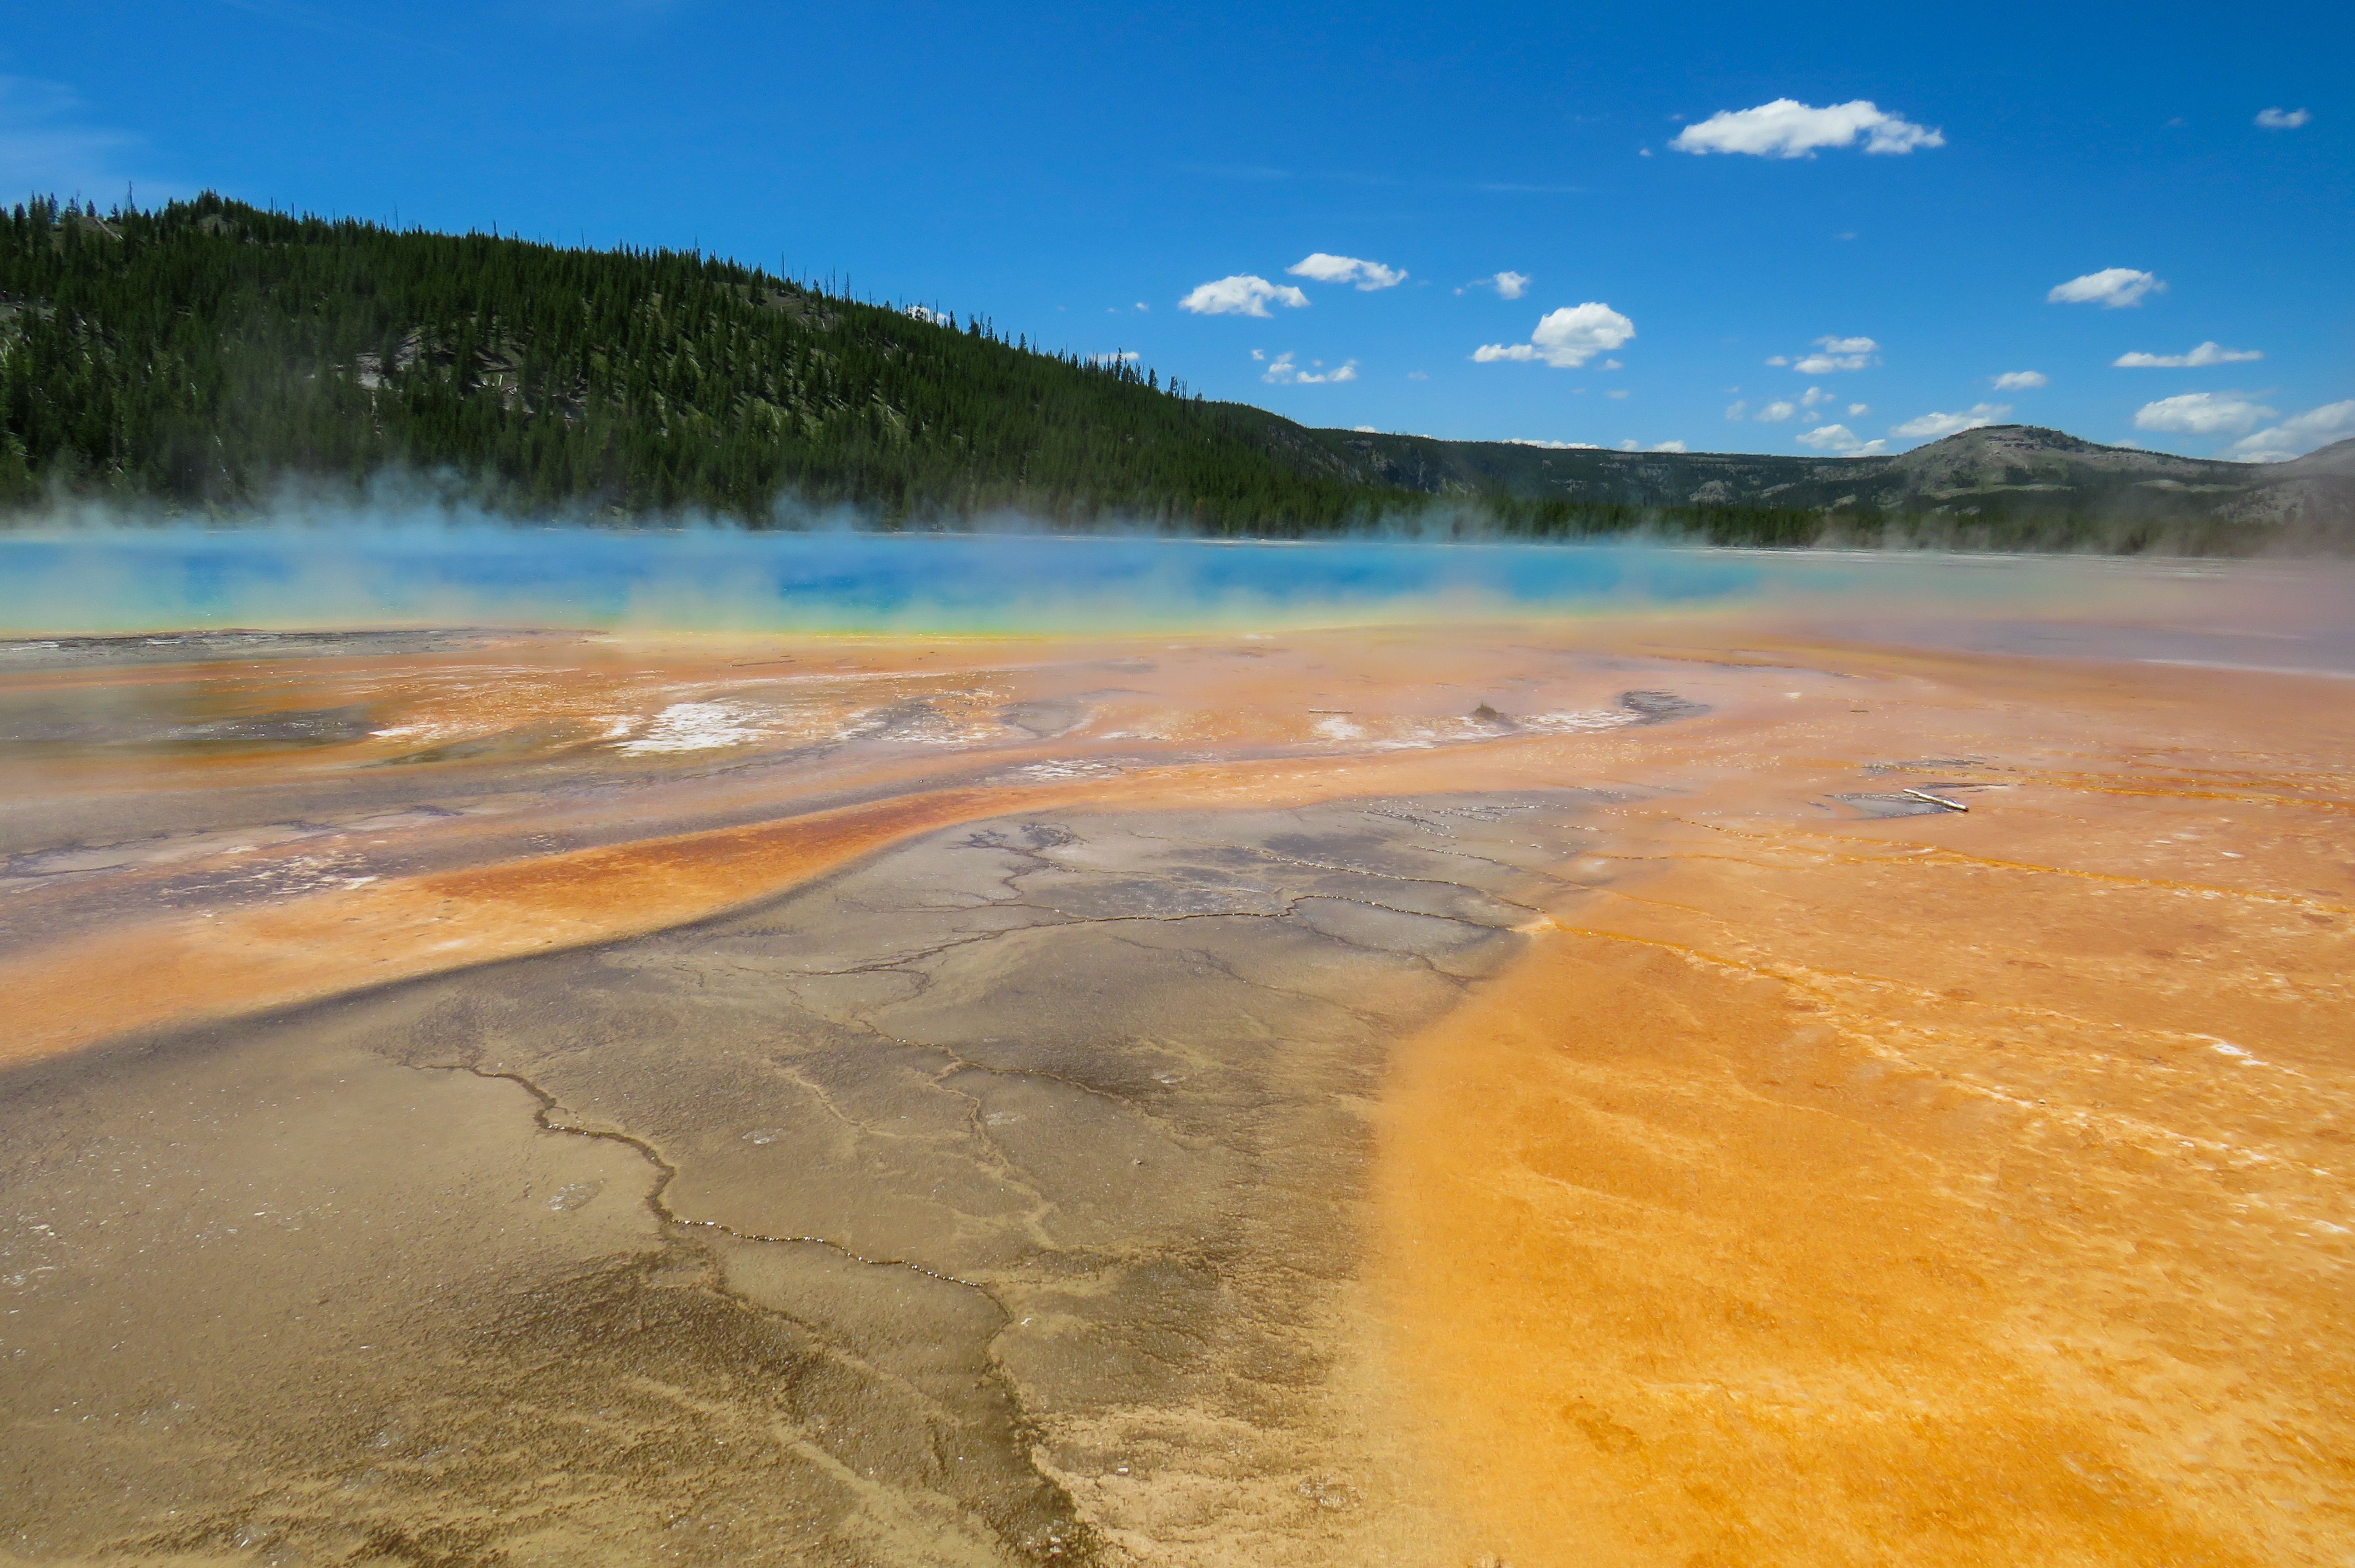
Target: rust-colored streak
[
  {"x": 238, "y": 961},
  {"x": 248, "y": 960}
]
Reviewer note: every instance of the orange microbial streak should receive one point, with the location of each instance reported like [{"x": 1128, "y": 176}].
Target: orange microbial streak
[
  {"x": 789, "y": 730},
  {"x": 247, "y": 960},
  {"x": 1946, "y": 1189}
]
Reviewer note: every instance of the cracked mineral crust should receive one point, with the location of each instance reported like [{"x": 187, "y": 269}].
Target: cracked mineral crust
[{"x": 519, "y": 1099}]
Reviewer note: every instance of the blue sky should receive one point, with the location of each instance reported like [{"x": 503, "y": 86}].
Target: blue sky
[{"x": 1076, "y": 173}]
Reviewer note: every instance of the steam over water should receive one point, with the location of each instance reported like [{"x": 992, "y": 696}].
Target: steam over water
[{"x": 124, "y": 580}]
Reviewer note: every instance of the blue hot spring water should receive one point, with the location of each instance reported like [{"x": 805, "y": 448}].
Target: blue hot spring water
[{"x": 130, "y": 579}]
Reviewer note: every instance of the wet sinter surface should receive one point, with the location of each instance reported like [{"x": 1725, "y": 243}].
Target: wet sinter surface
[{"x": 1547, "y": 1095}]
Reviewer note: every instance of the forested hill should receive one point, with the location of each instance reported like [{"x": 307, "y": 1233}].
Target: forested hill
[{"x": 207, "y": 355}]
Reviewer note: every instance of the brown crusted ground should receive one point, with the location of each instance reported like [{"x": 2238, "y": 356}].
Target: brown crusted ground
[{"x": 1816, "y": 1186}]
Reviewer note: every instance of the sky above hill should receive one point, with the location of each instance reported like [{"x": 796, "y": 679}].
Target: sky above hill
[{"x": 1727, "y": 228}]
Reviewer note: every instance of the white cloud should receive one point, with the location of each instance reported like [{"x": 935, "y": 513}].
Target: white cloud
[
  {"x": 1934, "y": 425},
  {"x": 1775, "y": 412},
  {"x": 1669, "y": 447},
  {"x": 2206, "y": 354},
  {"x": 925, "y": 313},
  {"x": 1125, "y": 356},
  {"x": 1787, "y": 128},
  {"x": 1364, "y": 429},
  {"x": 2202, "y": 413},
  {"x": 1566, "y": 338},
  {"x": 1418, "y": 375},
  {"x": 2299, "y": 434},
  {"x": 1812, "y": 396},
  {"x": 2110, "y": 288},
  {"x": 1617, "y": 393},
  {"x": 1831, "y": 354},
  {"x": 1510, "y": 285},
  {"x": 1840, "y": 441},
  {"x": 1736, "y": 409},
  {"x": 1555, "y": 445},
  {"x": 1856, "y": 409},
  {"x": 2019, "y": 380},
  {"x": 1282, "y": 372},
  {"x": 1612, "y": 364},
  {"x": 2282, "y": 119},
  {"x": 1242, "y": 294},
  {"x": 1368, "y": 275}
]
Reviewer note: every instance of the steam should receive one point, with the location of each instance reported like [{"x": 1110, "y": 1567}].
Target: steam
[
  {"x": 97, "y": 577},
  {"x": 88, "y": 571}
]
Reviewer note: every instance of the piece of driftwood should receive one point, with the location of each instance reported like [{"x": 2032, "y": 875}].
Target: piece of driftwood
[{"x": 1937, "y": 800}]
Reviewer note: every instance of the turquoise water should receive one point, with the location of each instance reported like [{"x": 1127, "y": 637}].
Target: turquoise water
[{"x": 125, "y": 580}]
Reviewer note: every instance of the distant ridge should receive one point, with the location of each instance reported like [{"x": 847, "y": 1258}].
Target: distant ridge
[
  {"x": 209, "y": 356},
  {"x": 2015, "y": 485}
]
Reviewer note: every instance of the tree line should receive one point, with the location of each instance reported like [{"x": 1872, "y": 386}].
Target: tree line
[{"x": 204, "y": 354}]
